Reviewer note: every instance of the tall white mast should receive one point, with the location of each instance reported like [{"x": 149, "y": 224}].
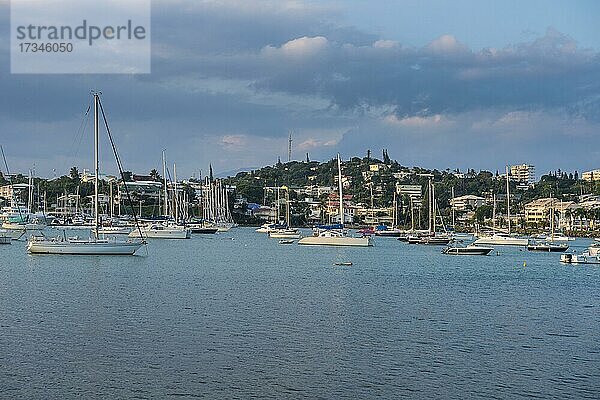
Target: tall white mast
[
  {"x": 508, "y": 198},
  {"x": 453, "y": 214},
  {"x": 551, "y": 218},
  {"x": 494, "y": 212},
  {"x": 395, "y": 205},
  {"x": 96, "y": 164},
  {"x": 111, "y": 198},
  {"x": 166, "y": 193},
  {"x": 433, "y": 210},
  {"x": 430, "y": 208},
  {"x": 30, "y": 193},
  {"x": 412, "y": 215},
  {"x": 340, "y": 187},
  {"x": 176, "y": 194}
]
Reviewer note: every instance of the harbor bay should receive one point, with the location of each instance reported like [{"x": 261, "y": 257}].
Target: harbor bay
[{"x": 236, "y": 315}]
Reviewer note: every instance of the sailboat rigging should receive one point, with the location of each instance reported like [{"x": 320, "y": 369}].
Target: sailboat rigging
[{"x": 94, "y": 245}]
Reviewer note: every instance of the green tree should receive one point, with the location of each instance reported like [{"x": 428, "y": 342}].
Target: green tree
[
  {"x": 74, "y": 174},
  {"x": 155, "y": 175}
]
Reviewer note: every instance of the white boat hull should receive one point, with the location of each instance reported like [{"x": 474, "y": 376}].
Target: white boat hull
[
  {"x": 162, "y": 233},
  {"x": 284, "y": 235},
  {"x": 83, "y": 247},
  {"x": 501, "y": 241},
  {"x": 114, "y": 231},
  {"x": 336, "y": 241},
  {"x": 579, "y": 259},
  {"x": 21, "y": 227}
]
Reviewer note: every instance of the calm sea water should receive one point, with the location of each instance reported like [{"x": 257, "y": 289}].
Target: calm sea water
[{"x": 237, "y": 315}]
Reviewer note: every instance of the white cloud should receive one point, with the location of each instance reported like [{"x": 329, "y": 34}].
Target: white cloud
[
  {"x": 386, "y": 44},
  {"x": 299, "y": 48},
  {"x": 446, "y": 44},
  {"x": 416, "y": 121}
]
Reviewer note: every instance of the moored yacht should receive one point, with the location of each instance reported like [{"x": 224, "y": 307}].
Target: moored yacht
[
  {"x": 285, "y": 233},
  {"x": 336, "y": 237},
  {"x": 502, "y": 239},
  {"x": 470, "y": 250},
  {"x": 589, "y": 256},
  {"x": 94, "y": 245},
  {"x": 161, "y": 231}
]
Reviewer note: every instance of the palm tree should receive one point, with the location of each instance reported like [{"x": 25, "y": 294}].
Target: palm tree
[
  {"x": 74, "y": 174},
  {"x": 155, "y": 175}
]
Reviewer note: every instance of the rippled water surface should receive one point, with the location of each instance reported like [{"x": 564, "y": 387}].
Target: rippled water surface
[{"x": 237, "y": 315}]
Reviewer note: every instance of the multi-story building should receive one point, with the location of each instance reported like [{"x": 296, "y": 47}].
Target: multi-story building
[
  {"x": 538, "y": 210},
  {"x": 591, "y": 175},
  {"x": 8, "y": 191},
  {"x": 467, "y": 202},
  {"x": 412, "y": 191},
  {"x": 524, "y": 173}
]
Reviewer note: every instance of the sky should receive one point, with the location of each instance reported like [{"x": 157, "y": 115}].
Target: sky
[{"x": 439, "y": 84}]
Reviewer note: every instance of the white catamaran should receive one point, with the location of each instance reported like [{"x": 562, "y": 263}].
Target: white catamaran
[
  {"x": 93, "y": 245},
  {"x": 336, "y": 237}
]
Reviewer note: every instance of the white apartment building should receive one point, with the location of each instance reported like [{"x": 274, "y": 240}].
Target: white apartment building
[
  {"x": 467, "y": 202},
  {"x": 591, "y": 175},
  {"x": 523, "y": 173},
  {"x": 412, "y": 191}
]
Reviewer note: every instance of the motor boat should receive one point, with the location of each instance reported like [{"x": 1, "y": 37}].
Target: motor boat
[
  {"x": 548, "y": 247},
  {"x": 590, "y": 256},
  {"x": 384, "y": 231},
  {"x": 202, "y": 229},
  {"x": 502, "y": 239},
  {"x": 470, "y": 250},
  {"x": 435, "y": 240}
]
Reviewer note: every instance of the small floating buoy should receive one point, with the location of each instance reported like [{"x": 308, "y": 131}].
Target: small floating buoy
[{"x": 524, "y": 263}]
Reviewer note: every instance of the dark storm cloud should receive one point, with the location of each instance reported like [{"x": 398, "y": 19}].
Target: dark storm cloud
[{"x": 235, "y": 76}]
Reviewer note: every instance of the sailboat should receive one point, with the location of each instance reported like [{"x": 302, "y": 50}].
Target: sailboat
[
  {"x": 94, "y": 245},
  {"x": 383, "y": 230},
  {"x": 503, "y": 239},
  {"x": 285, "y": 231},
  {"x": 336, "y": 237},
  {"x": 167, "y": 229},
  {"x": 432, "y": 238},
  {"x": 549, "y": 246},
  {"x": 17, "y": 219}
]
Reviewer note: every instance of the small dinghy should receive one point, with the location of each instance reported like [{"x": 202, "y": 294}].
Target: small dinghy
[
  {"x": 286, "y": 241},
  {"x": 344, "y": 263},
  {"x": 470, "y": 250}
]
